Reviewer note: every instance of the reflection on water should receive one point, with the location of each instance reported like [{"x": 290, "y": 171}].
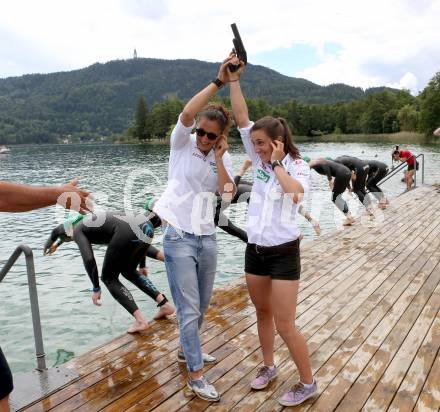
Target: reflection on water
[{"x": 70, "y": 320}]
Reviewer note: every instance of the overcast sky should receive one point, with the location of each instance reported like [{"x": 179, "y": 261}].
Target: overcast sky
[{"x": 360, "y": 43}]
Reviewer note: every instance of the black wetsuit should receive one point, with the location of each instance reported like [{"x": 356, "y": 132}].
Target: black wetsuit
[
  {"x": 6, "y": 384},
  {"x": 342, "y": 177},
  {"x": 361, "y": 169},
  {"x": 124, "y": 252},
  {"x": 377, "y": 171},
  {"x": 244, "y": 190}
]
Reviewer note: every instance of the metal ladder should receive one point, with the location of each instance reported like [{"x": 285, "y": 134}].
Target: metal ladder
[
  {"x": 401, "y": 166},
  {"x": 29, "y": 387},
  {"x": 33, "y": 296}
]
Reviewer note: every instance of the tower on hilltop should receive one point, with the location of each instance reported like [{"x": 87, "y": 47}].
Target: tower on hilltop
[{"x": 135, "y": 55}]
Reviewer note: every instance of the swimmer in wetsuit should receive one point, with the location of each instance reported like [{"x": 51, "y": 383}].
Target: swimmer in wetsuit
[
  {"x": 361, "y": 168},
  {"x": 376, "y": 172},
  {"x": 243, "y": 193},
  {"x": 125, "y": 251},
  {"x": 338, "y": 177}
]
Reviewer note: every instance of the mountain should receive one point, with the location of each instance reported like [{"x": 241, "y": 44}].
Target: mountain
[{"x": 101, "y": 99}]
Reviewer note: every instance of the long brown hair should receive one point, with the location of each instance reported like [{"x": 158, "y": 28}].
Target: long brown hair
[
  {"x": 219, "y": 114},
  {"x": 278, "y": 127}
]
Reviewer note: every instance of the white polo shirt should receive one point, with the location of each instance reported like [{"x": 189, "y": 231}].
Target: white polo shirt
[
  {"x": 188, "y": 202},
  {"x": 271, "y": 213}
]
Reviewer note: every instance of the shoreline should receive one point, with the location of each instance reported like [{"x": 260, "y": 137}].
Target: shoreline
[{"x": 399, "y": 138}]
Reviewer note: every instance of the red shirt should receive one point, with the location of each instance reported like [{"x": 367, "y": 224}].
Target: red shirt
[{"x": 407, "y": 154}]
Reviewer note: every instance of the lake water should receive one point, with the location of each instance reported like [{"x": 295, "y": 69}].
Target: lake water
[{"x": 71, "y": 323}]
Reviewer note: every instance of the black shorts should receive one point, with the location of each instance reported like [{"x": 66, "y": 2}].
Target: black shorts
[
  {"x": 411, "y": 167},
  {"x": 279, "y": 262},
  {"x": 5, "y": 377}
]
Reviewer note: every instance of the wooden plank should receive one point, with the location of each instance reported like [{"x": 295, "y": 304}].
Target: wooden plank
[
  {"x": 368, "y": 265},
  {"x": 354, "y": 367},
  {"x": 235, "y": 310},
  {"x": 255, "y": 394},
  {"x": 247, "y": 344},
  {"x": 346, "y": 331},
  {"x": 222, "y": 406},
  {"x": 395, "y": 208},
  {"x": 222, "y": 401},
  {"x": 339, "y": 259},
  {"x": 379, "y": 272},
  {"x": 235, "y": 383},
  {"x": 124, "y": 380},
  {"x": 385, "y": 373},
  {"x": 345, "y": 244},
  {"x": 316, "y": 252},
  {"x": 154, "y": 398},
  {"x": 173, "y": 402},
  {"x": 409, "y": 391},
  {"x": 429, "y": 399}
]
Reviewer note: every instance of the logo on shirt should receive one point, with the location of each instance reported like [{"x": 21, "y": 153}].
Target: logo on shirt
[
  {"x": 199, "y": 156},
  {"x": 262, "y": 175},
  {"x": 213, "y": 167}
]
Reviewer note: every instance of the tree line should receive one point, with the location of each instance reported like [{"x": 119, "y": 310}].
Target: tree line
[{"x": 388, "y": 111}]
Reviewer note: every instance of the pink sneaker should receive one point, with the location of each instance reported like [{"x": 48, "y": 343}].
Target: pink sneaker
[
  {"x": 298, "y": 394},
  {"x": 264, "y": 376}
]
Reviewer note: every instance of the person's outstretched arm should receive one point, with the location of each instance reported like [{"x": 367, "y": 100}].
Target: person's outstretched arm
[
  {"x": 238, "y": 103},
  {"x": 16, "y": 197}
]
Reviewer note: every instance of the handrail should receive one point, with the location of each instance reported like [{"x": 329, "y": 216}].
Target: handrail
[
  {"x": 33, "y": 296},
  {"x": 402, "y": 165}
]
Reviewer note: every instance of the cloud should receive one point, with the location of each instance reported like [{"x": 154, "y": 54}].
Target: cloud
[
  {"x": 148, "y": 9},
  {"x": 360, "y": 43},
  {"x": 407, "y": 81}
]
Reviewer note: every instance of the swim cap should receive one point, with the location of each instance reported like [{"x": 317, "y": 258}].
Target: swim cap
[
  {"x": 148, "y": 205},
  {"x": 328, "y": 158},
  {"x": 306, "y": 159}
]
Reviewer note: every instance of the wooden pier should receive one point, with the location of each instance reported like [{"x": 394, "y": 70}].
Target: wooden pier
[{"x": 368, "y": 306}]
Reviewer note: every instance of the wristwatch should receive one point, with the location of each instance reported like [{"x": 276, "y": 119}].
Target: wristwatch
[
  {"x": 218, "y": 82},
  {"x": 277, "y": 163}
]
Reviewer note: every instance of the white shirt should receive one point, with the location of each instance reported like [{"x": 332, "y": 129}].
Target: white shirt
[
  {"x": 188, "y": 202},
  {"x": 271, "y": 213}
]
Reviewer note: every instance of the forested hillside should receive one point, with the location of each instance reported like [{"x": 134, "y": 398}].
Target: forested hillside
[{"x": 100, "y": 100}]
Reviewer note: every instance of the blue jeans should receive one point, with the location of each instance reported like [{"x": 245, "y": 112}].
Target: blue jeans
[{"x": 191, "y": 263}]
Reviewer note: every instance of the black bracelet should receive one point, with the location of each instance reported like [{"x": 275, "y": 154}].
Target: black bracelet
[
  {"x": 218, "y": 82},
  {"x": 163, "y": 301},
  {"x": 277, "y": 163}
]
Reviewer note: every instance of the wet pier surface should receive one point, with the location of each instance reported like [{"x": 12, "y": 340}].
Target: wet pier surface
[{"x": 368, "y": 306}]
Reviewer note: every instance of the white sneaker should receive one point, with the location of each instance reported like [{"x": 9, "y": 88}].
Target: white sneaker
[{"x": 203, "y": 389}]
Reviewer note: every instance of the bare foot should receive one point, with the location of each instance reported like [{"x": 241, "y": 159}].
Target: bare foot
[
  {"x": 317, "y": 228},
  {"x": 138, "y": 327},
  {"x": 164, "y": 311},
  {"x": 348, "y": 222}
]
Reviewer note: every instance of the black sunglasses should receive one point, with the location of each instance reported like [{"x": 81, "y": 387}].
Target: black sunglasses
[{"x": 209, "y": 135}]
